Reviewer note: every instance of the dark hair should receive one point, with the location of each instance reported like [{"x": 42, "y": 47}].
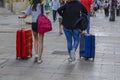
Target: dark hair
[
  {"x": 35, "y": 2},
  {"x": 62, "y": 2},
  {"x": 106, "y": 1}
]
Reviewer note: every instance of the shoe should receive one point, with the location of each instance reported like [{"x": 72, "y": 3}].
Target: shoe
[
  {"x": 86, "y": 59},
  {"x": 39, "y": 61},
  {"x": 70, "y": 59},
  {"x": 60, "y": 33},
  {"x": 54, "y": 20},
  {"x": 36, "y": 58},
  {"x": 73, "y": 55}
]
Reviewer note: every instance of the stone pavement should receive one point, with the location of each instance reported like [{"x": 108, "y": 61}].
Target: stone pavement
[{"x": 55, "y": 66}]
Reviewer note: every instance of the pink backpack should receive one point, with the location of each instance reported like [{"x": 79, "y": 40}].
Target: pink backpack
[{"x": 44, "y": 24}]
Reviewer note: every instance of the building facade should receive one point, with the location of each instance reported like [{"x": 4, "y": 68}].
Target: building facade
[
  {"x": 1, "y": 3},
  {"x": 15, "y": 6}
]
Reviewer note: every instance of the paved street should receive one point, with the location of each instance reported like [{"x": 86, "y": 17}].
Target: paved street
[{"x": 55, "y": 66}]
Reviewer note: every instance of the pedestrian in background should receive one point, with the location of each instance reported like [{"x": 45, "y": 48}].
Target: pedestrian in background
[
  {"x": 88, "y": 4},
  {"x": 55, "y": 4},
  {"x": 62, "y": 2},
  {"x": 35, "y": 9},
  {"x": 106, "y": 8},
  {"x": 95, "y": 7},
  {"x": 70, "y": 12}
]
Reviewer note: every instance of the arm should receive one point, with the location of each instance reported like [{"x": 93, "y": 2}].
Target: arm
[
  {"x": 61, "y": 10},
  {"x": 22, "y": 17},
  {"x": 84, "y": 10},
  {"x": 27, "y": 12}
]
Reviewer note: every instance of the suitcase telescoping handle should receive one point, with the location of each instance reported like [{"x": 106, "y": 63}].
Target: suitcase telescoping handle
[
  {"x": 21, "y": 23},
  {"x": 20, "y": 26}
]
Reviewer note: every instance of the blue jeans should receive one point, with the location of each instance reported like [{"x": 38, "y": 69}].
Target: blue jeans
[
  {"x": 73, "y": 38},
  {"x": 88, "y": 26}
]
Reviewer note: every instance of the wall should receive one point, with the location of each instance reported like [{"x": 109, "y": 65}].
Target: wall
[{"x": 16, "y": 6}]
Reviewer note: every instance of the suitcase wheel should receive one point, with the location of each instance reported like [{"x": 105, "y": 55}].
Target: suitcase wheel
[
  {"x": 86, "y": 59},
  {"x": 16, "y": 58},
  {"x": 31, "y": 55}
]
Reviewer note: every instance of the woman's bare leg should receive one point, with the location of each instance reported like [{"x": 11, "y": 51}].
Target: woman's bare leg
[
  {"x": 35, "y": 35},
  {"x": 41, "y": 38}
]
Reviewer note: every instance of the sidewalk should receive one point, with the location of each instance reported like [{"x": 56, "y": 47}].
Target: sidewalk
[{"x": 55, "y": 65}]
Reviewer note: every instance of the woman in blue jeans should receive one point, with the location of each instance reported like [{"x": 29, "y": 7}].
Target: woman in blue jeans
[{"x": 70, "y": 13}]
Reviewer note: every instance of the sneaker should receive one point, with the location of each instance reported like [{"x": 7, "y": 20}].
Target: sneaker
[
  {"x": 73, "y": 55},
  {"x": 70, "y": 59},
  {"x": 39, "y": 61},
  {"x": 60, "y": 33},
  {"x": 36, "y": 58}
]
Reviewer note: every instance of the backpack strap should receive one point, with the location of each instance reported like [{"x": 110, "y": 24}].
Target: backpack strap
[{"x": 42, "y": 8}]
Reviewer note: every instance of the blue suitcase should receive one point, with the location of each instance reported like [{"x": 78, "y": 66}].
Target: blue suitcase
[{"x": 87, "y": 46}]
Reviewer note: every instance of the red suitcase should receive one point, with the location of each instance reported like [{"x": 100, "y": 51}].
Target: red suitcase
[{"x": 23, "y": 43}]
